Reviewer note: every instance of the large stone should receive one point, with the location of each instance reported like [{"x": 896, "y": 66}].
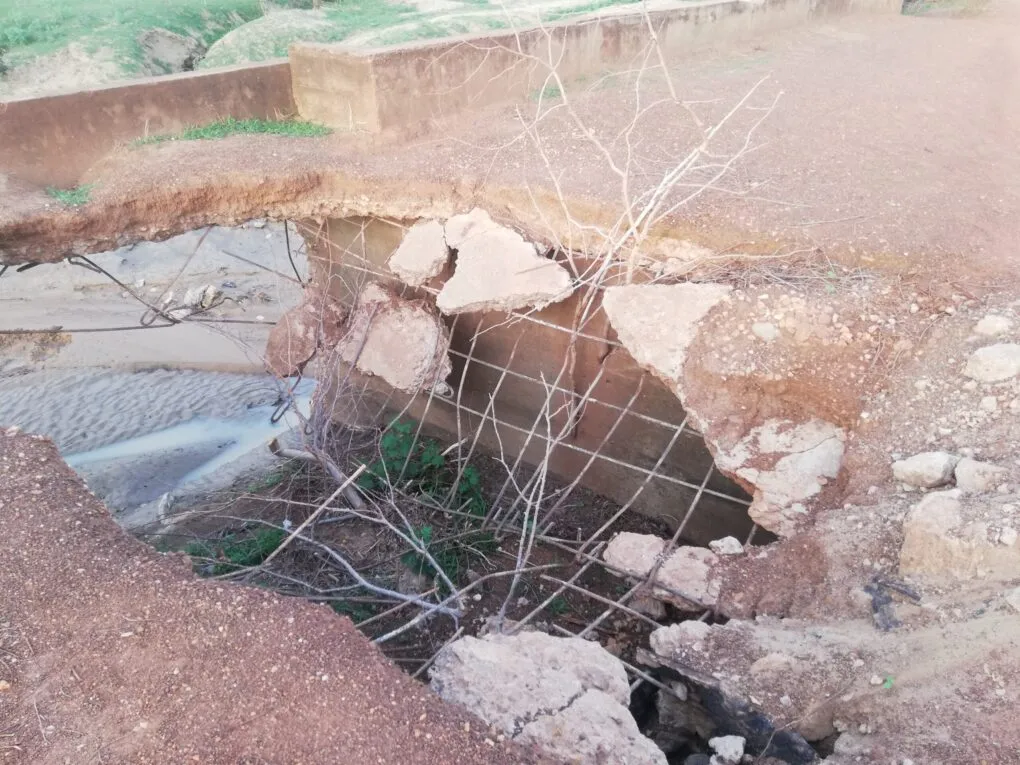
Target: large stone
[
  {"x": 977, "y": 477},
  {"x": 316, "y": 324},
  {"x": 787, "y": 463},
  {"x": 944, "y": 539},
  {"x": 402, "y": 341},
  {"x": 421, "y": 255},
  {"x": 994, "y": 363},
  {"x": 658, "y": 322},
  {"x": 567, "y": 695},
  {"x": 927, "y": 470},
  {"x": 497, "y": 270},
  {"x": 992, "y": 325},
  {"x": 685, "y": 578}
]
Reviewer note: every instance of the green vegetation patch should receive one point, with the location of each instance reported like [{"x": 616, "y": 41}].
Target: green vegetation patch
[
  {"x": 234, "y": 551},
  {"x": 230, "y": 126},
  {"x": 74, "y": 197}
]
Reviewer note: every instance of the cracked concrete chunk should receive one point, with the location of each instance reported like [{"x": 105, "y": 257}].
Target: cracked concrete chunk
[
  {"x": 994, "y": 363},
  {"x": 675, "y": 640},
  {"x": 402, "y": 341},
  {"x": 787, "y": 463},
  {"x": 497, "y": 270},
  {"x": 421, "y": 255},
  {"x": 926, "y": 470},
  {"x": 658, "y": 322},
  {"x": 567, "y": 695},
  {"x": 685, "y": 578},
  {"x": 315, "y": 324},
  {"x": 978, "y": 477}
]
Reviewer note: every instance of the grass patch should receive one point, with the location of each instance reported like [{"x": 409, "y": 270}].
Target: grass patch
[
  {"x": 36, "y": 27},
  {"x": 419, "y": 467},
  {"x": 230, "y": 126},
  {"x": 234, "y": 551},
  {"x": 74, "y": 197}
]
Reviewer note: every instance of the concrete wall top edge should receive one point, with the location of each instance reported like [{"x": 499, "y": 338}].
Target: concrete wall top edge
[{"x": 143, "y": 82}]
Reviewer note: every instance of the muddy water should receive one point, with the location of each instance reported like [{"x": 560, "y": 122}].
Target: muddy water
[{"x": 150, "y": 417}]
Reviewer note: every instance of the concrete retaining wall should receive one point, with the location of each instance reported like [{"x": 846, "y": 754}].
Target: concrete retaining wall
[
  {"x": 52, "y": 140},
  {"x": 403, "y": 89}
]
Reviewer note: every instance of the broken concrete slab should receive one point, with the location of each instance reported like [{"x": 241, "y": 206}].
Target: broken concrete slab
[
  {"x": 994, "y": 363},
  {"x": 946, "y": 536},
  {"x": 566, "y": 695},
  {"x": 316, "y": 324},
  {"x": 685, "y": 578},
  {"x": 402, "y": 341},
  {"x": 497, "y": 269},
  {"x": 927, "y": 470},
  {"x": 658, "y": 322},
  {"x": 422, "y": 254},
  {"x": 786, "y": 464}
]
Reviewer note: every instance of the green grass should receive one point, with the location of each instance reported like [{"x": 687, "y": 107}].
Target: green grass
[
  {"x": 30, "y": 28},
  {"x": 230, "y": 126},
  {"x": 221, "y": 556},
  {"x": 74, "y": 197}
]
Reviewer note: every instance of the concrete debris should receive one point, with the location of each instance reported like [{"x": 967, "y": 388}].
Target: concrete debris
[
  {"x": 943, "y": 537},
  {"x": 422, "y": 254},
  {"x": 651, "y": 607},
  {"x": 927, "y": 470},
  {"x": 994, "y": 363},
  {"x": 1012, "y": 600},
  {"x": 726, "y": 546},
  {"x": 978, "y": 477},
  {"x": 201, "y": 297},
  {"x": 787, "y": 464},
  {"x": 728, "y": 749},
  {"x": 675, "y": 640},
  {"x": 316, "y": 324},
  {"x": 685, "y": 578},
  {"x": 567, "y": 695},
  {"x": 992, "y": 325},
  {"x": 402, "y": 341},
  {"x": 658, "y": 322},
  {"x": 497, "y": 270}
]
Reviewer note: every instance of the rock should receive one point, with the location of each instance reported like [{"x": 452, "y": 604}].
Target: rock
[
  {"x": 765, "y": 331},
  {"x": 1012, "y": 600},
  {"x": 497, "y": 270},
  {"x": 926, "y": 470},
  {"x": 978, "y": 477},
  {"x": 992, "y": 325},
  {"x": 402, "y": 341},
  {"x": 676, "y": 640},
  {"x": 938, "y": 542},
  {"x": 634, "y": 553},
  {"x": 728, "y": 749},
  {"x": 316, "y": 324},
  {"x": 773, "y": 666},
  {"x": 687, "y": 570},
  {"x": 726, "y": 546},
  {"x": 1008, "y": 536},
  {"x": 166, "y": 52},
  {"x": 421, "y": 255},
  {"x": 657, "y": 322},
  {"x": 566, "y": 695},
  {"x": 201, "y": 297},
  {"x": 994, "y": 363},
  {"x": 787, "y": 464}
]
